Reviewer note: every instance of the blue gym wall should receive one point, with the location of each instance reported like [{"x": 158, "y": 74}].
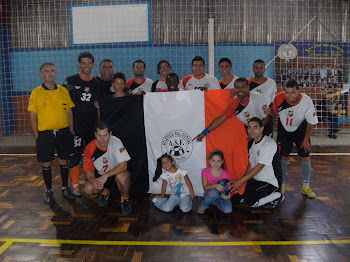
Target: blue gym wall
[{"x": 25, "y": 63}]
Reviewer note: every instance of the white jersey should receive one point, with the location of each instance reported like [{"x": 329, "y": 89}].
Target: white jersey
[
  {"x": 230, "y": 85},
  {"x": 267, "y": 88},
  {"x": 254, "y": 108},
  {"x": 134, "y": 87},
  {"x": 176, "y": 182},
  {"x": 263, "y": 153},
  {"x": 210, "y": 82},
  {"x": 291, "y": 116},
  {"x": 104, "y": 160},
  {"x": 160, "y": 84}
]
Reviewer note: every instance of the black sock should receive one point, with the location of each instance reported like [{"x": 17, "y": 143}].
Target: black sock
[
  {"x": 64, "y": 175},
  {"x": 47, "y": 177}
]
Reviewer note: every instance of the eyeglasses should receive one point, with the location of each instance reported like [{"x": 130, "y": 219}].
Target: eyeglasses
[{"x": 164, "y": 66}]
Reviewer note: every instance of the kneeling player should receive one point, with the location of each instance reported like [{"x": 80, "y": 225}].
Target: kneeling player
[
  {"x": 105, "y": 163},
  {"x": 262, "y": 184}
]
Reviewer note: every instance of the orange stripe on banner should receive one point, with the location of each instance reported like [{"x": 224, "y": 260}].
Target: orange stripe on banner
[{"x": 230, "y": 137}]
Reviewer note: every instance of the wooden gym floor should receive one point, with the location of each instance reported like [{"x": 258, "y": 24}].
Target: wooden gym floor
[{"x": 299, "y": 229}]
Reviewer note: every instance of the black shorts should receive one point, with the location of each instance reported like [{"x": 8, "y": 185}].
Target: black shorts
[
  {"x": 285, "y": 140},
  {"x": 110, "y": 183},
  {"x": 85, "y": 128},
  {"x": 49, "y": 140},
  {"x": 256, "y": 190}
]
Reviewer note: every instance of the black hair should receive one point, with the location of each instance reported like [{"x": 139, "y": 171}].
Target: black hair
[
  {"x": 159, "y": 169},
  {"x": 119, "y": 75},
  {"x": 197, "y": 58},
  {"x": 258, "y": 61},
  {"x": 258, "y": 120},
  {"x": 139, "y": 61},
  {"x": 46, "y": 64},
  {"x": 242, "y": 79},
  {"x": 173, "y": 75},
  {"x": 102, "y": 126},
  {"x": 106, "y": 60},
  {"x": 292, "y": 83},
  {"x": 158, "y": 66},
  {"x": 225, "y": 59},
  {"x": 86, "y": 55},
  {"x": 217, "y": 152}
]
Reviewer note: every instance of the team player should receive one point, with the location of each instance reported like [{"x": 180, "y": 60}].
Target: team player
[
  {"x": 139, "y": 84},
  {"x": 160, "y": 85},
  {"x": 297, "y": 115},
  {"x": 118, "y": 85},
  {"x": 262, "y": 184},
  {"x": 163, "y": 68},
  {"x": 225, "y": 68},
  {"x": 104, "y": 79},
  {"x": 105, "y": 163},
  {"x": 51, "y": 119},
  {"x": 265, "y": 86},
  {"x": 83, "y": 90},
  {"x": 172, "y": 82},
  {"x": 245, "y": 105},
  {"x": 199, "y": 79}
]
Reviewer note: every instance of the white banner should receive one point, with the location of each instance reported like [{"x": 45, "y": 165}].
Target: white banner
[{"x": 172, "y": 120}]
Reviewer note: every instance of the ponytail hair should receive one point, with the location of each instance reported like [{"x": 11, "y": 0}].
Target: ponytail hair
[
  {"x": 217, "y": 152},
  {"x": 159, "y": 169}
]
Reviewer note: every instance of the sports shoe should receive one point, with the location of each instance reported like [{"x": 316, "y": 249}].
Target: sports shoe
[
  {"x": 332, "y": 135},
  {"x": 49, "y": 199},
  {"x": 126, "y": 208},
  {"x": 67, "y": 193},
  {"x": 103, "y": 200},
  {"x": 201, "y": 210},
  {"x": 273, "y": 203},
  {"x": 283, "y": 192},
  {"x": 308, "y": 192},
  {"x": 76, "y": 190}
]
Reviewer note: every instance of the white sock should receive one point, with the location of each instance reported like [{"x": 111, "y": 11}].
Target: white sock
[{"x": 306, "y": 184}]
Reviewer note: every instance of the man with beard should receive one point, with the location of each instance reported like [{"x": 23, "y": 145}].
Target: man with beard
[
  {"x": 139, "y": 84},
  {"x": 297, "y": 115},
  {"x": 265, "y": 86},
  {"x": 199, "y": 79},
  {"x": 245, "y": 105},
  {"x": 83, "y": 90},
  {"x": 104, "y": 78}
]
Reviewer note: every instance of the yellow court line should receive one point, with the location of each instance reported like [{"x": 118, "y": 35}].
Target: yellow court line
[
  {"x": 5, "y": 246},
  {"x": 9, "y": 241}
]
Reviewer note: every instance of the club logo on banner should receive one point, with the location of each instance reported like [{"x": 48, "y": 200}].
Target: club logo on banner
[
  {"x": 178, "y": 144},
  {"x": 172, "y": 131}
]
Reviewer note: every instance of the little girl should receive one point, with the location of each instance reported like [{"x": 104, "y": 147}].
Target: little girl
[
  {"x": 181, "y": 187},
  {"x": 210, "y": 177}
]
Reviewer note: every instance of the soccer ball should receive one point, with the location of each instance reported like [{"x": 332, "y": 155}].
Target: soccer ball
[
  {"x": 176, "y": 151},
  {"x": 226, "y": 185}
]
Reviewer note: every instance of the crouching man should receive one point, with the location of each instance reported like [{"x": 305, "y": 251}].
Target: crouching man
[
  {"x": 105, "y": 163},
  {"x": 262, "y": 184}
]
